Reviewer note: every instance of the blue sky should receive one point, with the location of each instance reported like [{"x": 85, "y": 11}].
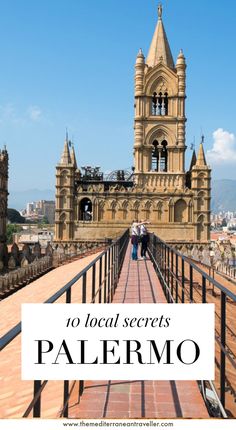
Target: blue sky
[{"x": 70, "y": 63}]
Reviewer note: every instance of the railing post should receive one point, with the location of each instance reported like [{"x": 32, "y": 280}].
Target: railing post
[
  {"x": 37, "y": 405},
  {"x": 81, "y": 388},
  {"x": 158, "y": 252},
  {"x": 154, "y": 246},
  {"x": 161, "y": 258},
  {"x": 172, "y": 272},
  {"x": 84, "y": 285},
  {"x": 203, "y": 289},
  {"x": 119, "y": 256},
  {"x": 100, "y": 281},
  {"x": 105, "y": 280},
  {"x": 93, "y": 282},
  {"x": 165, "y": 259},
  {"x": 68, "y": 296},
  {"x": 65, "y": 399},
  {"x": 182, "y": 283},
  {"x": 168, "y": 271},
  {"x": 222, "y": 352},
  {"x": 191, "y": 283},
  {"x": 115, "y": 264},
  {"x": 177, "y": 278},
  {"x": 109, "y": 276},
  {"x": 112, "y": 272}
]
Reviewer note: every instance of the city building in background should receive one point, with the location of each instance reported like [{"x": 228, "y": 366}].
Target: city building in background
[
  {"x": 31, "y": 235},
  {"x": 42, "y": 210}
]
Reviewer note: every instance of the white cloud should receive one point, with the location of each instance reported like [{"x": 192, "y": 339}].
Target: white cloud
[
  {"x": 10, "y": 114},
  {"x": 224, "y": 148},
  {"x": 35, "y": 113},
  {"x": 7, "y": 112}
]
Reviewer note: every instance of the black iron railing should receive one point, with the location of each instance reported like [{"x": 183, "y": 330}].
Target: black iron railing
[
  {"x": 183, "y": 281},
  {"x": 103, "y": 274}
]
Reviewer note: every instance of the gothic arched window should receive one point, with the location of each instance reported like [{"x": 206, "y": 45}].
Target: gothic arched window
[
  {"x": 155, "y": 156},
  {"x": 159, "y": 156},
  {"x": 166, "y": 104},
  {"x": 154, "y": 104},
  {"x": 159, "y": 111},
  {"x": 163, "y": 156},
  {"x": 160, "y": 104},
  {"x": 85, "y": 210}
]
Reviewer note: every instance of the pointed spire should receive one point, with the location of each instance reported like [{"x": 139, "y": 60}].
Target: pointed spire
[
  {"x": 201, "y": 160},
  {"x": 193, "y": 161},
  {"x": 72, "y": 156},
  {"x": 159, "y": 49},
  {"x": 65, "y": 156},
  {"x": 140, "y": 59},
  {"x": 140, "y": 53},
  {"x": 180, "y": 59}
]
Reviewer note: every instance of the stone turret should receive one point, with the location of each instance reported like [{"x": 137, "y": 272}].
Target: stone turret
[
  {"x": 65, "y": 193},
  {"x": 139, "y": 73},
  {"x": 65, "y": 156},
  {"x": 73, "y": 157},
  {"x": 201, "y": 159},
  {"x": 201, "y": 186},
  {"x": 193, "y": 160}
]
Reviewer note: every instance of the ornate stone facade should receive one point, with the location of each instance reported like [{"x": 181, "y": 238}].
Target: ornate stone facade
[
  {"x": 3, "y": 205},
  {"x": 176, "y": 202}
]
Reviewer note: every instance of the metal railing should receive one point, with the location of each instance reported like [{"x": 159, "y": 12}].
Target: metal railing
[
  {"x": 103, "y": 272},
  {"x": 184, "y": 282}
]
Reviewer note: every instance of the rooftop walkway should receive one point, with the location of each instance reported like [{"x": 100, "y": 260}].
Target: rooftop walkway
[
  {"x": 15, "y": 394},
  {"x": 138, "y": 283}
]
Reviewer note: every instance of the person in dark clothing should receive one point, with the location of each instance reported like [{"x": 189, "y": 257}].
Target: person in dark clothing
[{"x": 144, "y": 240}]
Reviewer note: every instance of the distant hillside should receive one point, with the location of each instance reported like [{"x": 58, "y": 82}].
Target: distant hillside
[
  {"x": 223, "y": 195},
  {"x": 19, "y": 199}
]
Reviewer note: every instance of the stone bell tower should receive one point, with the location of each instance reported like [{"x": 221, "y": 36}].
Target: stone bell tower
[
  {"x": 177, "y": 203},
  {"x": 159, "y": 147}
]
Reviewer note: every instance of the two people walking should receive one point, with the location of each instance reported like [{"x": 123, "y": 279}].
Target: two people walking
[{"x": 139, "y": 233}]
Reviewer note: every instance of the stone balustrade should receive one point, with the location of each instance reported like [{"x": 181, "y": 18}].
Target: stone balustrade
[
  {"x": 23, "y": 275},
  {"x": 24, "y": 266}
]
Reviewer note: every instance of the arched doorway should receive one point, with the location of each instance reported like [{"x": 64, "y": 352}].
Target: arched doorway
[{"x": 85, "y": 210}]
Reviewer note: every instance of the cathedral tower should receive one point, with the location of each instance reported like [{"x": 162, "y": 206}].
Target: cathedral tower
[
  {"x": 159, "y": 147},
  {"x": 175, "y": 201}
]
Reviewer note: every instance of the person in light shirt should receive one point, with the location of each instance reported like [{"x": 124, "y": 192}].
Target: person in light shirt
[{"x": 135, "y": 234}]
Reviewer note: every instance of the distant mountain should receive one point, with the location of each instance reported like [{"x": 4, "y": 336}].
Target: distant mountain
[
  {"x": 223, "y": 195},
  {"x": 19, "y": 199}
]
